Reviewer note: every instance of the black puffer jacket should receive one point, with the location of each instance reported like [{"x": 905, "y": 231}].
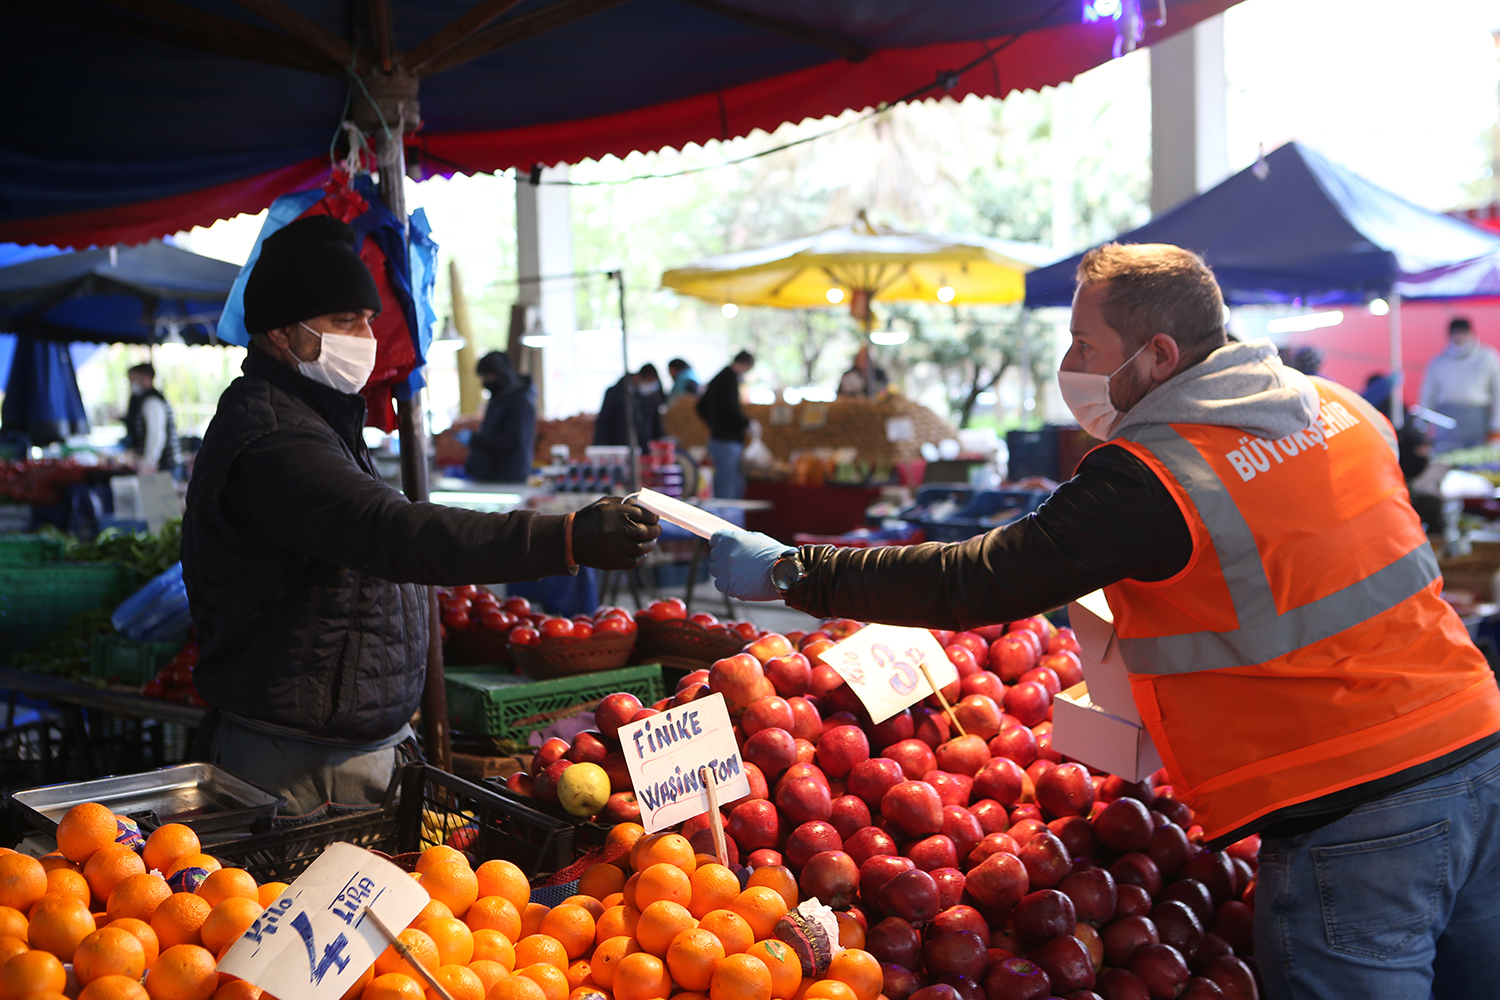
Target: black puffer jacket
[{"x": 302, "y": 566}]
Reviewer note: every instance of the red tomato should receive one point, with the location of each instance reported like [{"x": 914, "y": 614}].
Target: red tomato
[
  {"x": 487, "y": 601},
  {"x": 455, "y": 619},
  {"x": 612, "y": 623},
  {"x": 583, "y": 630},
  {"x": 165, "y": 674},
  {"x": 667, "y": 609},
  {"x": 467, "y": 591},
  {"x": 555, "y": 627},
  {"x": 610, "y": 609},
  {"x": 517, "y": 605},
  {"x": 459, "y": 604},
  {"x": 745, "y": 629},
  {"x": 496, "y": 621},
  {"x": 153, "y": 689},
  {"x": 703, "y": 618},
  {"x": 182, "y": 675},
  {"x": 525, "y": 635}
]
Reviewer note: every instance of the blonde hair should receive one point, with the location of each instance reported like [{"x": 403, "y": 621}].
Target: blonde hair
[{"x": 1157, "y": 288}]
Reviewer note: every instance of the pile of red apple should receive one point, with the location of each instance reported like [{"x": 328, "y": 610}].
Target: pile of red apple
[
  {"x": 470, "y": 607},
  {"x": 983, "y": 866}
]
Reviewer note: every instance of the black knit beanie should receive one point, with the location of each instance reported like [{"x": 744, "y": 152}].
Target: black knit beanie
[{"x": 307, "y": 268}]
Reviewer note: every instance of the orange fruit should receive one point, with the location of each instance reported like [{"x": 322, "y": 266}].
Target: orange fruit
[
  {"x": 460, "y": 983},
  {"x": 692, "y": 958},
  {"x": 227, "y": 921},
  {"x": 761, "y": 907},
  {"x": 454, "y": 940},
  {"x": 62, "y": 882},
  {"x": 615, "y": 921},
  {"x": 167, "y": 843},
  {"x": 780, "y": 878},
  {"x": 238, "y": 989},
  {"x": 183, "y": 972},
  {"x": 352, "y": 993},
  {"x": 438, "y": 854},
  {"x": 600, "y": 880},
  {"x": 783, "y": 965},
  {"x": 114, "y": 988},
  {"x": 627, "y": 893},
  {"x": 109, "y": 866},
  {"x": 511, "y": 988},
  {"x": 594, "y": 906},
  {"x": 10, "y": 946},
  {"x": 137, "y": 896},
  {"x": 56, "y": 860},
  {"x": 493, "y": 913},
  {"x": 31, "y": 972},
  {"x": 663, "y": 848},
  {"x": 580, "y": 973},
  {"x": 660, "y": 923},
  {"x": 714, "y": 887},
  {"x": 607, "y": 956},
  {"x": 587, "y": 992},
  {"x": 86, "y": 828},
  {"x": 741, "y": 977},
  {"x": 269, "y": 891},
  {"x": 622, "y": 838},
  {"x": 642, "y": 977},
  {"x": 204, "y": 861},
  {"x": 502, "y": 878},
  {"x": 492, "y": 946},
  {"x": 489, "y": 973},
  {"x": 453, "y": 882},
  {"x": 23, "y": 881},
  {"x": 851, "y": 932},
  {"x": 58, "y": 924},
  {"x": 536, "y": 948},
  {"x": 179, "y": 918},
  {"x": 531, "y": 918},
  {"x": 109, "y": 951},
  {"x": 422, "y": 948},
  {"x": 573, "y": 926},
  {"x": 142, "y": 932},
  {"x": 227, "y": 883},
  {"x": 552, "y": 980},
  {"x": 730, "y": 928},
  {"x": 859, "y": 970},
  {"x": 829, "y": 989},
  {"x": 613, "y": 899},
  {"x": 431, "y": 911},
  {"x": 663, "y": 881},
  {"x": 13, "y": 922},
  {"x": 392, "y": 986}
]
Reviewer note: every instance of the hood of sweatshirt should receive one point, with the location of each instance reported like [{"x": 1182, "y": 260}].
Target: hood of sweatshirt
[{"x": 1241, "y": 385}]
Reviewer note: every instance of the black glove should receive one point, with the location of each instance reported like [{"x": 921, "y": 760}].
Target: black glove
[{"x": 612, "y": 534}]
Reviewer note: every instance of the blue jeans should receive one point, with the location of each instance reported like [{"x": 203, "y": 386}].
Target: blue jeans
[
  {"x": 1399, "y": 900},
  {"x": 729, "y": 481}
]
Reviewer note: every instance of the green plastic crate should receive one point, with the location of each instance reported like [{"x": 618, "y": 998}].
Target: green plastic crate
[
  {"x": 25, "y": 550},
  {"x": 511, "y": 706},
  {"x": 114, "y": 657},
  {"x": 38, "y": 600}
]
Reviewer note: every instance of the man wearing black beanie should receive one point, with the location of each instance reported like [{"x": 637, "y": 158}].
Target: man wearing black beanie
[{"x": 305, "y": 571}]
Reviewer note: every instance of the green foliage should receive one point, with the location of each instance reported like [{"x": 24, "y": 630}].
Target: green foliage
[{"x": 148, "y": 554}]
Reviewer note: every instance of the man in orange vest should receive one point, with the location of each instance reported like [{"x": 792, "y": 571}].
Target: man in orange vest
[{"x": 1278, "y": 608}]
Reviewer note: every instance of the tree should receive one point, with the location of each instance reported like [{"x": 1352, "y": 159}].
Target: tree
[{"x": 969, "y": 351}]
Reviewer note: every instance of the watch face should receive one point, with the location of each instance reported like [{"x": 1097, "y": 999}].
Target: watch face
[{"x": 785, "y": 571}]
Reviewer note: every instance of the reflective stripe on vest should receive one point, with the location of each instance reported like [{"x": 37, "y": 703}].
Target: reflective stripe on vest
[{"x": 1263, "y": 634}]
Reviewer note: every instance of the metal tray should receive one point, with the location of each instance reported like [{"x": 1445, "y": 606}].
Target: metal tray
[{"x": 202, "y": 796}]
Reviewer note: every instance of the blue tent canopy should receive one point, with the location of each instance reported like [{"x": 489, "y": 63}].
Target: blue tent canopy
[
  {"x": 125, "y": 295},
  {"x": 1299, "y": 226}
]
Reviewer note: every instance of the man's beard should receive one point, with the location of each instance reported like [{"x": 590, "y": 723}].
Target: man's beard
[{"x": 1128, "y": 388}]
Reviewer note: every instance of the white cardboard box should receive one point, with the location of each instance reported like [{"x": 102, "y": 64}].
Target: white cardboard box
[
  {"x": 1103, "y": 668},
  {"x": 1084, "y": 732}
]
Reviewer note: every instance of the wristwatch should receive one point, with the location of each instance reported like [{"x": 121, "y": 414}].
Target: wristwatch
[{"x": 787, "y": 571}]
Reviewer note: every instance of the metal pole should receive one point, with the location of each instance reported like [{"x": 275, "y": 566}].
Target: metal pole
[
  {"x": 631, "y": 437},
  {"x": 412, "y": 429},
  {"x": 1398, "y": 376}
]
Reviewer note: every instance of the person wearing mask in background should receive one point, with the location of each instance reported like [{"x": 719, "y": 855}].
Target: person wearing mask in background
[
  {"x": 1463, "y": 382},
  {"x": 150, "y": 425},
  {"x": 1279, "y": 612},
  {"x": 719, "y": 406},
  {"x": 643, "y": 391},
  {"x": 502, "y": 449},
  {"x": 306, "y": 572},
  {"x": 865, "y": 378},
  {"x": 684, "y": 380}
]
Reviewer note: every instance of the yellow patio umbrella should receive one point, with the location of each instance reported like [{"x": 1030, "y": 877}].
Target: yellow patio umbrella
[{"x": 862, "y": 262}]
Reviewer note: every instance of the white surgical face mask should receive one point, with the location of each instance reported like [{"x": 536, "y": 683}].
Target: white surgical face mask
[
  {"x": 1087, "y": 396},
  {"x": 345, "y": 362}
]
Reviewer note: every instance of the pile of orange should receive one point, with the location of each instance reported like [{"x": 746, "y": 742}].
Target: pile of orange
[{"x": 659, "y": 922}]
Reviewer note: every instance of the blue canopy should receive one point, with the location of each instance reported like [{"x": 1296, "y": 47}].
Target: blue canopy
[
  {"x": 126, "y": 295},
  {"x": 1299, "y": 226},
  {"x": 42, "y": 401}
]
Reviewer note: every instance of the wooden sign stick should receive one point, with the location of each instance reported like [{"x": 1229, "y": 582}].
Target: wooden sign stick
[
  {"x": 706, "y": 775},
  {"x": 941, "y": 700},
  {"x": 405, "y": 953}
]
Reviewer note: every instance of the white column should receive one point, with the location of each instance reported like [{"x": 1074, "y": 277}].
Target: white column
[
  {"x": 544, "y": 248},
  {"x": 1189, "y": 146}
]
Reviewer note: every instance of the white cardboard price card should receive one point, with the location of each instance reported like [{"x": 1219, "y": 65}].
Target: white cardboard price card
[
  {"x": 882, "y": 664},
  {"x": 664, "y": 752},
  {"x": 315, "y": 939}
]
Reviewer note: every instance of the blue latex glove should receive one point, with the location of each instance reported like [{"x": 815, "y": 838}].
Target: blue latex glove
[{"x": 740, "y": 562}]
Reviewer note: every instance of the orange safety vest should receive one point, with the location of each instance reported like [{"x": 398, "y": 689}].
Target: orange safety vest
[{"x": 1305, "y": 648}]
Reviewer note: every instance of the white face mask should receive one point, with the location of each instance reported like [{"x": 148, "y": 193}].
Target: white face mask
[
  {"x": 345, "y": 362},
  {"x": 1087, "y": 396}
]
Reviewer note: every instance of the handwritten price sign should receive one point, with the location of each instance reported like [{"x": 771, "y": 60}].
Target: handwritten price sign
[
  {"x": 315, "y": 940},
  {"x": 882, "y": 664},
  {"x": 664, "y": 753}
]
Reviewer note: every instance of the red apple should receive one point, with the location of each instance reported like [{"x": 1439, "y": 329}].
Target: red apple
[
  {"x": 619, "y": 773},
  {"x": 963, "y": 755},
  {"x": 978, "y": 715},
  {"x": 1198, "y": 988},
  {"x": 849, "y": 814},
  {"x": 1137, "y": 868},
  {"x": 551, "y": 750},
  {"x": 896, "y": 941},
  {"x": 1065, "y": 790},
  {"x": 621, "y": 807},
  {"x": 1131, "y": 900},
  {"x": 991, "y": 815},
  {"x": 869, "y": 842},
  {"x": 767, "y": 713},
  {"x": 824, "y": 679},
  {"x": 899, "y": 982},
  {"x": 755, "y": 824},
  {"x": 1046, "y": 860},
  {"x": 915, "y": 757},
  {"x": 914, "y": 807},
  {"x": 957, "y": 953},
  {"x": 962, "y": 827},
  {"x": 740, "y": 680},
  {"x": 1232, "y": 976},
  {"x": 1093, "y": 895},
  {"x": 810, "y": 839},
  {"x": 931, "y": 853},
  {"x": 1045, "y": 676},
  {"x": 1066, "y": 665},
  {"x": 804, "y": 799},
  {"x": 1213, "y": 869},
  {"x": 912, "y": 896},
  {"x": 771, "y": 750},
  {"x": 516, "y": 606},
  {"x": 1169, "y": 848},
  {"x": 1077, "y": 835},
  {"x": 841, "y": 748},
  {"x": 1063, "y": 639},
  {"x": 1234, "y": 921},
  {"x": 522, "y": 784},
  {"x": 931, "y": 726},
  {"x": 876, "y": 871},
  {"x": 1124, "y": 825},
  {"x": 1162, "y": 968},
  {"x": 1002, "y": 780},
  {"x": 952, "y": 789},
  {"x": 964, "y": 660},
  {"x": 1017, "y": 742},
  {"x": 985, "y": 683},
  {"x": 1011, "y": 656},
  {"x": 544, "y": 784},
  {"x": 871, "y": 779},
  {"x": 587, "y": 748},
  {"x": 950, "y": 883},
  {"x": 1124, "y": 937},
  {"x": 999, "y": 881},
  {"x": 1195, "y": 895},
  {"x": 1043, "y": 915},
  {"x": 790, "y": 674},
  {"x": 1017, "y": 979},
  {"x": 1178, "y": 926},
  {"x": 1067, "y": 963},
  {"x": 974, "y": 643},
  {"x": 1028, "y": 701}
]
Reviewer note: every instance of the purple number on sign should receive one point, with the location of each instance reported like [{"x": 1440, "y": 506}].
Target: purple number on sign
[{"x": 902, "y": 677}]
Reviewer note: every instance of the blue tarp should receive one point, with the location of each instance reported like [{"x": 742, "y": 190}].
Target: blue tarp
[
  {"x": 42, "y": 400},
  {"x": 1299, "y": 226}
]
